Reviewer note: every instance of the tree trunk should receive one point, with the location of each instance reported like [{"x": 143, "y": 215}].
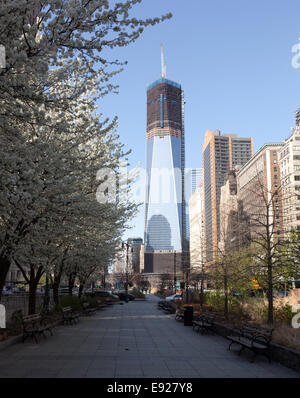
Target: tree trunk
[
  {"x": 4, "y": 268},
  {"x": 55, "y": 294},
  {"x": 55, "y": 286},
  {"x": 270, "y": 292},
  {"x": 35, "y": 276},
  {"x": 80, "y": 290},
  {"x": 226, "y": 297},
  {"x": 201, "y": 295},
  {"x": 71, "y": 283},
  {"x": 32, "y": 298}
]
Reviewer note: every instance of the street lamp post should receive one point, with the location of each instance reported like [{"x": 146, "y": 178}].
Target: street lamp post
[
  {"x": 126, "y": 269},
  {"x": 186, "y": 271},
  {"x": 175, "y": 278}
]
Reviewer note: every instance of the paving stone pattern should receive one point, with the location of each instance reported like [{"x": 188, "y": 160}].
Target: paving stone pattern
[{"x": 129, "y": 341}]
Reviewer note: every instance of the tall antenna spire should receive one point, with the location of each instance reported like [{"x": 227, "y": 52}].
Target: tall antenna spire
[{"x": 163, "y": 64}]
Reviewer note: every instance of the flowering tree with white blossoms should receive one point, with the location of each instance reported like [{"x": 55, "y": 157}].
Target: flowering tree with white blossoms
[{"x": 52, "y": 140}]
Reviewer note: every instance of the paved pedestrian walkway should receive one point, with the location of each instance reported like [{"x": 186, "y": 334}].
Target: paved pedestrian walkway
[{"x": 131, "y": 340}]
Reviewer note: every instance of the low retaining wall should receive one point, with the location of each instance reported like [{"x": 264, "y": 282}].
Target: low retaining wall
[{"x": 284, "y": 355}]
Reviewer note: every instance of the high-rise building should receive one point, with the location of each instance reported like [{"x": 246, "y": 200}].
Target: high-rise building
[
  {"x": 197, "y": 242},
  {"x": 196, "y": 178},
  {"x": 234, "y": 223},
  {"x": 259, "y": 190},
  {"x": 134, "y": 258},
  {"x": 165, "y": 203},
  {"x": 192, "y": 178},
  {"x": 298, "y": 117},
  {"x": 220, "y": 154},
  {"x": 289, "y": 163}
]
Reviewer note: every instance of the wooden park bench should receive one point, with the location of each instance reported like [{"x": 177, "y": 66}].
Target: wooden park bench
[
  {"x": 179, "y": 316},
  {"x": 100, "y": 305},
  {"x": 69, "y": 316},
  {"x": 204, "y": 322},
  {"x": 160, "y": 304},
  {"x": 109, "y": 301},
  {"x": 254, "y": 338},
  {"x": 167, "y": 307},
  {"x": 88, "y": 310},
  {"x": 34, "y": 325}
]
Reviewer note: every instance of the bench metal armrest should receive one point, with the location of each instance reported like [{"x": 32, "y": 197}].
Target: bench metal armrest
[{"x": 261, "y": 339}]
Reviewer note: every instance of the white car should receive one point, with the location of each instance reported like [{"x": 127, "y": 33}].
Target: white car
[{"x": 174, "y": 297}]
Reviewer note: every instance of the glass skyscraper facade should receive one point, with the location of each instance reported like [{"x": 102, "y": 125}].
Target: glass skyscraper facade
[
  {"x": 164, "y": 202},
  {"x": 192, "y": 178}
]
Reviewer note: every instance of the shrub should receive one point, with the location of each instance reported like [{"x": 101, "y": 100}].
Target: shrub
[
  {"x": 70, "y": 301},
  {"x": 283, "y": 314},
  {"x": 215, "y": 300},
  {"x": 91, "y": 300},
  {"x": 237, "y": 309},
  {"x": 287, "y": 336},
  {"x": 137, "y": 293}
]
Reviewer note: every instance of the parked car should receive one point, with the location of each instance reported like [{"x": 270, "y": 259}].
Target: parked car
[
  {"x": 18, "y": 290},
  {"x": 174, "y": 297},
  {"x": 6, "y": 291},
  {"x": 122, "y": 296},
  {"x": 63, "y": 290},
  {"x": 103, "y": 293}
]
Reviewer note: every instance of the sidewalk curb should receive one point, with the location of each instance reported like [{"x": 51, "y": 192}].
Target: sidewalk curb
[{"x": 10, "y": 341}]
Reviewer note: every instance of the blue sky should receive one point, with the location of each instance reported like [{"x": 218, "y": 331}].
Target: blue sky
[{"x": 234, "y": 61}]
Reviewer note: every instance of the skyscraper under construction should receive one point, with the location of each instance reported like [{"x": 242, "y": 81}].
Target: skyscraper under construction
[{"x": 164, "y": 204}]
